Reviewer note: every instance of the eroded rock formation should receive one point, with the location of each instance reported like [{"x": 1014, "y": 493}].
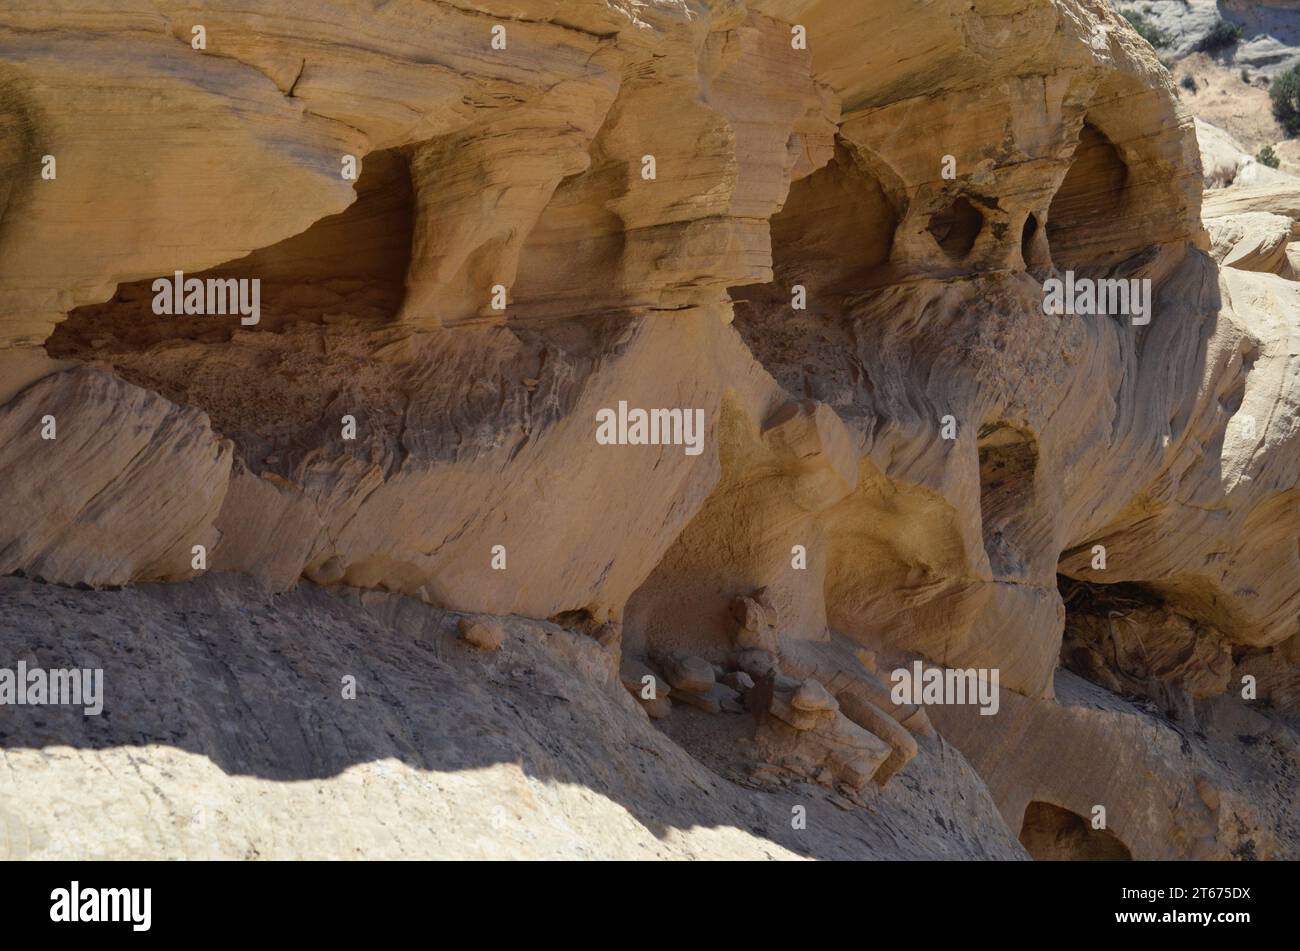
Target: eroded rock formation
[{"x": 820, "y": 228}]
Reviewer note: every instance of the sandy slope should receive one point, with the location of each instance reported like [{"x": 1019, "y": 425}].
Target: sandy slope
[{"x": 224, "y": 734}]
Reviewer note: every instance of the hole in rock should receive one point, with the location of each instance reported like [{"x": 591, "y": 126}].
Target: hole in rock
[
  {"x": 835, "y": 227},
  {"x": 279, "y": 388},
  {"x": 1129, "y": 639},
  {"x": 1232, "y": 399},
  {"x": 349, "y": 267},
  {"x": 1087, "y": 207},
  {"x": 1050, "y": 833},
  {"x": 834, "y": 231},
  {"x": 955, "y": 228},
  {"x": 1027, "y": 240},
  {"x": 1008, "y": 457},
  {"x": 833, "y": 237}
]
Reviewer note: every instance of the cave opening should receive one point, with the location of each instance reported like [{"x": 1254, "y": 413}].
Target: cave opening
[
  {"x": 1027, "y": 236},
  {"x": 1128, "y": 638},
  {"x": 346, "y": 268},
  {"x": 1050, "y": 833},
  {"x": 1091, "y": 199},
  {"x": 832, "y": 235},
  {"x": 277, "y": 387},
  {"x": 956, "y": 228},
  {"x": 833, "y": 238}
]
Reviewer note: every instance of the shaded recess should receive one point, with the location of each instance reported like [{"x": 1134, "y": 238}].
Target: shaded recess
[
  {"x": 1008, "y": 458},
  {"x": 832, "y": 236},
  {"x": 1127, "y": 638},
  {"x": 279, "y": 388},
  {"x": 1050, "y": 833},
  {"x": 1034, "y": 251},
  {"x": 683, "y": 604},
  {"x": 1092, "y": 198},
  {"x": 835, "y": 228},
  {"x": 347, "y": 267},
  {"x": 18, "y": 147},
  {"x": 956, "y": 228}
]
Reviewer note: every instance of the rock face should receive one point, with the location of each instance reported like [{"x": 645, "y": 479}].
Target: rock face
[
  {"x": 707, "y": 339},
  {"x": 129, "y": 482}
]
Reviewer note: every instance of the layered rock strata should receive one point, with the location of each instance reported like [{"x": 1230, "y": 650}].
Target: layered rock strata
[{"x": 819, "y": 232}]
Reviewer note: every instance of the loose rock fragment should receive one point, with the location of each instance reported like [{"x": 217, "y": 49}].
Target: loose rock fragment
[
  {"x": 821, "y": 745},
  {"x": 688, "y": 673},
  {"x": 484, "y": 634},
  {"x": 812, "y": 696}
]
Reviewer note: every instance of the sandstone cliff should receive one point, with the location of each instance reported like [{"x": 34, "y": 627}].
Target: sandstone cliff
[{"x": 824, "y": 225}]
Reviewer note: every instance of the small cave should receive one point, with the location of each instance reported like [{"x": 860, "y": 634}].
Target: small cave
[
  {"x": 1035, "y": 252},
  {"x": 1008, "y": 459},
  {"x": 1052, "y": 834},
  {"x": 277, "y": 388},
  {"x": 834, "y": 230},
  {"x": 1090, "y": 202},
  {"x": 833, "y": 237},
  {"x": 346, "y": 268},
  {"x": 956, "y": 228},
  {"x": 1027, "y": 236},
  {"x": 1097, "y": 643},
  {"x": 1128, "y": 639}
]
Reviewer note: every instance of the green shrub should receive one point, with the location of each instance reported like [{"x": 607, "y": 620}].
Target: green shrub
[
  {"x": 1187, "y": 82},
  {"x": 1285, "y": 93},
  {"x": 1268, "y": 157},
  {"x": 1222, "y": 35},
  {"x": 1147, "y": 30}
]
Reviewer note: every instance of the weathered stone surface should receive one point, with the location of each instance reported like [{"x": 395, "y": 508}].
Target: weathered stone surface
[
  {"x": 123, "y": 490},
  {"x": 648, "y": 688},
  {"x": 738, "y": 680},
  {"x": 1254, "y": 241},
  {"x": 714, "y": 699},
  {"x": 1225, "y": 162},
  {"x": 756, "y": 663},
  {"x": 1090, "y": 748},
  {"x": 812, "y": 697},
  {"x": 829, "y": 261}
]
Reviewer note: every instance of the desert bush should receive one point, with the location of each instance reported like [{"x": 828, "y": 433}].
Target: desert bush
[
  {"x": 1285, "y": 93},
  {"x": 1147, "y": 30},
  {"x": 1222, "y": 35}
]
